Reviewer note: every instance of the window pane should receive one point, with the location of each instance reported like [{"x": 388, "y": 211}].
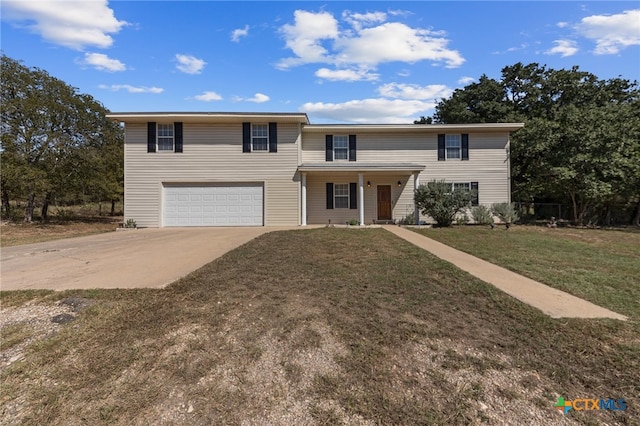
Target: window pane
[
  {"x": 453, "y": 146},
  {"x": 259, "y": 144},
  {"x": 340, "y": 148},
  {"x": 342, "y": 203},
  {"x": 259, "y": 130},
  {"x": 341, "y": 189},
  {"x": 165, "y": 137},
  {"x": 165, "y": 144},
  {"x": 461, "y": 186},
  {"x": 341, "y": 198}
]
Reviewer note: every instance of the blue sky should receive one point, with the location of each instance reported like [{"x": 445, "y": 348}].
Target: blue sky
[{"x": 360, "y": 62}]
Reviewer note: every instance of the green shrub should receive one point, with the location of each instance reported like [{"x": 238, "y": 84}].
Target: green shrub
[
  {"x": 506, "y": 212},
  {"x": 438, "y": 200},
  {"x": 409, "y": 219},
  {"x": 482, "y": 215},
  {"x": 462, "y": 219}
]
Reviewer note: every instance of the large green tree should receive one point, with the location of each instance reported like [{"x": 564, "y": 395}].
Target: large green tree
[
  {"x": 581, "y": 141},
  {"x": 56, "y": 143}
]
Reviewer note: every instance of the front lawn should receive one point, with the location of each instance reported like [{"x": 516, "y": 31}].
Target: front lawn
[
  {"x": 322, "y": 326},
  {"x": 602, "y": 266}
]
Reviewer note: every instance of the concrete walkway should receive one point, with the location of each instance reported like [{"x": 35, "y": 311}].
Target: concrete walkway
[{"x": 553, "y": 302}]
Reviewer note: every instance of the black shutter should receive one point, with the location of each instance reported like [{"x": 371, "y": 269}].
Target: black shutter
[
  {"x": 441, "y": 156},
  {"x": 151, "y": 136},
  {"x": 328, "y": 146},
  {"x": 246, "y": 137},
  {"x": 352, "y": 147},
  {"x": 476, "y": 197},
  {"x": 329, "y": 196},
  {"x": 273, "y": 137},
  {"x": 177, "y": 128},
  {"x": 465, "y": 146},
  {"x": 353, "y": 195}
]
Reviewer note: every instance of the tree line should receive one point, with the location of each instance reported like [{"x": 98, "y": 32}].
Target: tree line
[
  {"x": 581, "y": 141},
  {"x": 57, "y": 146}
]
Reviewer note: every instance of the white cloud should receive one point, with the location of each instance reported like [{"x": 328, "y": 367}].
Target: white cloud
[
  {"x": 562, "y": 24},
  {"x": 359, "y": 20},
  {"x": 189, "y": 64},
  {"x": 612, "y": 33},
  {"x": 414, "y": 91},
  {"x": 388, "y": 111},
  {"x": 370, "y": 43},
  {"x": 208, "y": 97},
  {"x": 102, "y": 62},
  {"x": 346, "y": 75},
  {"x": 73, "y": 24},
  {"x": 466, "y": 80},
  {"x": 132, "y": 89},
  {"x": 304, "y": 37},
  {"x": 564, "y": 48},
  {"x": 240, "y": 32},
  {"x": 259, "y": 98}
]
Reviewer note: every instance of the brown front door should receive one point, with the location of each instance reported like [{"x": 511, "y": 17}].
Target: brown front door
[{"x": 384, "y": 202}]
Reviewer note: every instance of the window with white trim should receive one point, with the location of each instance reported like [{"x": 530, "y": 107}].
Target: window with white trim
[
  {"x": 453, "y": 147},
  {"x": 341, "y": 195},
  {"x": 259, "y": 137},
  {"x": 461, "y": 186},
  {"x": 467, "y": 186},
  {"x": 341, "y": 147},
  {"x": 165, "y": 137}
]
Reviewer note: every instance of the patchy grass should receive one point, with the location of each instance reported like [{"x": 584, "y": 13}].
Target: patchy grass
[
  {"x": 601, "y": 266},
  {"x": 324, "y": 326}
]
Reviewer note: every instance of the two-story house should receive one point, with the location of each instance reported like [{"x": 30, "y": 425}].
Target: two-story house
[{"x": 274, "y": 169}]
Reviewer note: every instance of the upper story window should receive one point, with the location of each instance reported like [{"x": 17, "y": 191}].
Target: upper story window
[
  {"x": 165, "y": 137},
  {"x": 259, "y": 137},
  {"x": 340, "y": 147},
  {"x": 453, "y": 147}
]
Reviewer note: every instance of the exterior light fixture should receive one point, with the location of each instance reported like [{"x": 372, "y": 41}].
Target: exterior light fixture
[
  {"x": 399, "y": 183},
  {"x": 368, "y": 184}
]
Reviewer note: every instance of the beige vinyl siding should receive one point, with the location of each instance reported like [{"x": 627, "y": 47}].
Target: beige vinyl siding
[{"x": 211, "y": 153}]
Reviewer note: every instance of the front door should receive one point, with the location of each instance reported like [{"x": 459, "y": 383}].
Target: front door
[{"x": 384, "y": 202}]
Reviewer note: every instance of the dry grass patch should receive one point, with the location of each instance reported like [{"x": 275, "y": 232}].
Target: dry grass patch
[
  {"x": 14, "y": 234},
  {"x": 325, "y": 326}
]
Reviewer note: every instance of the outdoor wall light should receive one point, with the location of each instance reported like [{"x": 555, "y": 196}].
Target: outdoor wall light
[
  {"x": 368, "y": 184},
  {"x": 399, "y": 183}
]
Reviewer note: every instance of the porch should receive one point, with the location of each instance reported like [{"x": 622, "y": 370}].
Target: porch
[{"x": 357, "y": 193}]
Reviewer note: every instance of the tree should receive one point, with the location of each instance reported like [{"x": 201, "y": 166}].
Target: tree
[
  {"x": 54, "y": 141},
  {"x": 441, "y": 202},
  {"x": 581, "y": 137}
]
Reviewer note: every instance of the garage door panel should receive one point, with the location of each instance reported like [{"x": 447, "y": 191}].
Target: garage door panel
[{"x": 213, "y": 205}]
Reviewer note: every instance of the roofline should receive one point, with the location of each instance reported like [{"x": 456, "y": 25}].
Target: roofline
[
  {"x": 320, "y": 128},
  {"x": 206, "y": 116},
  {"x": 360, "y": 167}
]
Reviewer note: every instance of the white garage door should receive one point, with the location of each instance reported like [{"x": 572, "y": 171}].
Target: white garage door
[{"x": 213, "y": 205}]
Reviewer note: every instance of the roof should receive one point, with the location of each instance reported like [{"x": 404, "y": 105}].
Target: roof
[
  {"x": 209, "y": 117},
  {"x": 352, "y": 166},
  {"x": 411, "y": 128},
  {"x": 302, "y": 118}
]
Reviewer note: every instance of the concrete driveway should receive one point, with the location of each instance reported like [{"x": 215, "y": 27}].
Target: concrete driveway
[{"x": 126, "y": 259}]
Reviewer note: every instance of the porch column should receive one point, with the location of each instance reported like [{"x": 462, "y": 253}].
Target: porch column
[
  {"x": 416, "y": 184},
  {"x": 303, "y": 180},
  {"x": 361, "y": 197}
]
